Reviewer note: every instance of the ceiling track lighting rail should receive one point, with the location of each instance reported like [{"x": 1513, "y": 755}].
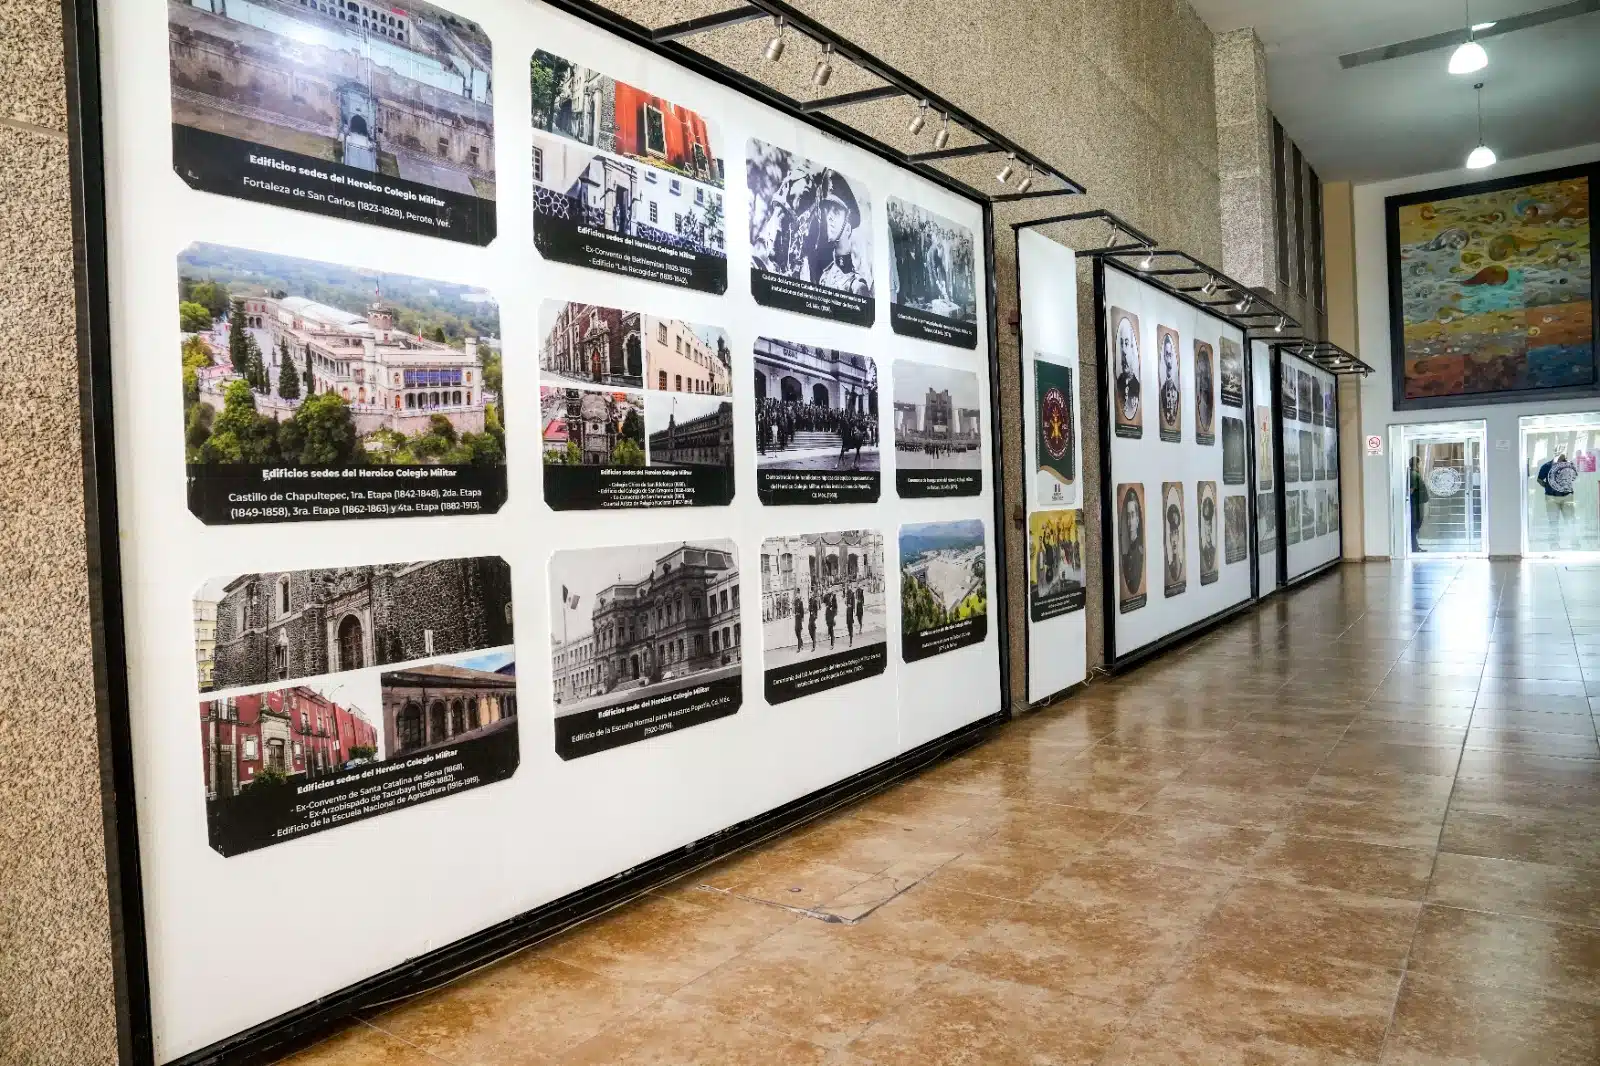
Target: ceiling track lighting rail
[
  {"x": 1329, "y": 356},
  {"x": 929, "y": 115},
  {"x": 1209, "y": 287}
]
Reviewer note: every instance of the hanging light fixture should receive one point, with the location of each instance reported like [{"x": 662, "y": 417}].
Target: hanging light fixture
[
  {"x": 1007, "y": 170},
  {"x": 1481, "y": 156},
  {"x": 1469, "y": 56},
  {"x": 918, "y": 120},
  {"x": 1278, "y": 326},
  {"x": 1209, "y": 288},
  {"x": 1148, "y": 263},
  {"x": 1027, "y": 180},
  {"x": 942, "y": 138},
  {"x": 775, "y": 46},
  {"x": 824, "y": 71},
  {"x": 1244, "y": 304},
  {"x": 1116, "y": 235}
]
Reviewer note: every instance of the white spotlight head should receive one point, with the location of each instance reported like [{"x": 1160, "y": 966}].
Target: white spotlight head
[
  {"x": 1116, "y": 236},
  {"x": 775, "y": 46},
  {"x": 1209, "y": 287},
  {"x": 1244, "y": 303},
  {"x": 942, "y": 138},
  {"x": 824, "y": 71},
  {"x": 1278, "y": 326},
  {"x": 1482, "y": 156},
  {"x": 1468, "y": 58},
  {"x": 1148, "y": 262},
  {"x": 1027, "y": 181},
  {"x": 1007, "y": 170},
  {"x": 918, "y": 120}
]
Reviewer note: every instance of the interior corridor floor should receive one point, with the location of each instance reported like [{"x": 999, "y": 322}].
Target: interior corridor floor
[{"x": 1359, "y": 825}]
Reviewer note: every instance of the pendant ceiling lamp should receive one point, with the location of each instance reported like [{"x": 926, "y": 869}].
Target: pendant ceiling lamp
[
  {"x": 1469, "y": 56},
  {"x": 1481, "y": 156}
]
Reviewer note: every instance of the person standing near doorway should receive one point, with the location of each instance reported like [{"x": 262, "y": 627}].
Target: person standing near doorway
[
  {"x": 1558, "y": 477},
  {"x": 1417, "y": 490}
]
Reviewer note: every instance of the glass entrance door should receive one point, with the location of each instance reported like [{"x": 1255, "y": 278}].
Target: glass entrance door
[
  {"x": 1555, "y": 524},
  {"x": 1447, "y": 516}
]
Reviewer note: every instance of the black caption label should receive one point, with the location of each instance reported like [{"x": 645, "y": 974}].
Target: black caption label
[
  {"x": 266, "y": 814},
  {"x": 599, "y": 729},
  {"x": 940, "y": 639},
  {"x": 242, "y": 494},
  {"x": 824, "y": 672},
  {"x": 217, "y": 163},
  {"x": 924, "y": 325},
  {"x": 779, "y": 488},
  {"x": 596, "y": 488},
  {"x": 935, "y": 484},
  {"x": 1044, "y": 608},
  {"x": 1132, "y": 603},
  {"x": 566, "y": 240},
  {"x": 808, "y": 298}
]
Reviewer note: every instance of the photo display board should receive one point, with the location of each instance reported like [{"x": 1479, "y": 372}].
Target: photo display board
[
  {"x": 1176, "y": 460},
  {"x": 555, "y": 457},
  {"x": 1265, "y": 471},
  {"x": 1309, "y": 437},
  {"x": 1047, "y": 279}
]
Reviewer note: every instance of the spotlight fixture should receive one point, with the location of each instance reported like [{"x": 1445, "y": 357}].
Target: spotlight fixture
[
  {"x": 1245, "y": 301},
  {"x": 1209, "y": 288},
  {"x": 775, "y": 46},
  {"x": 1009, "y": 169},
  {"x": 1148, "y": 263},
  {"x": 1278, "y": 326},
  {"x": 1481, "y": 156},
  {"x": 1116, "y": 235},
  {"x": 918, "y": 120},
  {"x": 1027, "y": 180},
  {"x": 1469, "y": 56},
  {"x": 824, "y": 71},
  {"x": 942, "y": 138}
]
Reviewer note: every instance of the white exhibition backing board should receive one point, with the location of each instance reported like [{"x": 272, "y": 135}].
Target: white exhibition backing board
[
  {"x": 1268, "y": 535},
  {"x": 1149, "y": 475},
  {"x": 1047, "y": 281},
  {"x": 372, "y": 893},
  {"x": 1311, "y": 492}
]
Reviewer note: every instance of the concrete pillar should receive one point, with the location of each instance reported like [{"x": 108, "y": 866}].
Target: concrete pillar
[
  {"x": 1244, "y": 160},
  {"x": 1339, "y": 269}
]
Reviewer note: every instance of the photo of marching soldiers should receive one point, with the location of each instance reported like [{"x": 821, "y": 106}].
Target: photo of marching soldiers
[
  {"x": 599, "y": 444},
  {"x": 823, "y": 611},
  {"x": 932, "y": 276},
  {"x": 295, "y": 363},
  {"x": 944, "y": 591},
  {"x": 645, "y": 639},
  {"x": 358, "y": 110},
  {"x": 816, "y": 421},
  {"x": 938, "y": 443},
  {"x": 624, "y": 180},
  {"x": 810, "y": 237},
  {"x": 1055, "y": 564}
]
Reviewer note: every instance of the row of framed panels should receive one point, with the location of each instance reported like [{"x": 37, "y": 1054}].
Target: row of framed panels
[{"x": 468, "y": 499}]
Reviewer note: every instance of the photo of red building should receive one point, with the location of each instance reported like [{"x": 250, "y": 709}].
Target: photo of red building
[
  {"x": 655, "y": 130},
  {"x": 292, "y": 731}
]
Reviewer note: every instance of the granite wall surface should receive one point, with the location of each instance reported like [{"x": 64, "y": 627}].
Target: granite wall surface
[
  {"x": 56, "y": 1002},
  {"x": 1118, "y": 93}
]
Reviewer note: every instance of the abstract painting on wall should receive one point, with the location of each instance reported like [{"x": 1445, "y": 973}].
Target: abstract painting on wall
[{"x": 1491, "y": 291}]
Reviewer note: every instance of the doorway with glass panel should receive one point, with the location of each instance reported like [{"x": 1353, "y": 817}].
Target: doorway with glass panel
[
  {"x": 1566, "y": 449},
  {"x": 1447, "y": 516}
]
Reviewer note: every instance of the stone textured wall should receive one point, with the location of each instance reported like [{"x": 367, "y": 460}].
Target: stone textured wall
[
  {"x": 56, "y": 1000},
  {"x": 1118, "y": 93},
  {"x": 1245, "y": 161}
]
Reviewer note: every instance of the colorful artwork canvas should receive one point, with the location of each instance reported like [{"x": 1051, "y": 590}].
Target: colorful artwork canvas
[{"x": 1491, "y": 291}]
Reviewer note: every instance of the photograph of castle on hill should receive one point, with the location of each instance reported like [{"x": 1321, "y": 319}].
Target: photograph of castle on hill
[
  {"x": 351, "y": 108},
  {"x": 379, "y": 392}
]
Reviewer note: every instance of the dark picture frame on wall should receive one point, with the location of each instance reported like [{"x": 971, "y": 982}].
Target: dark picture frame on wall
[{"x": 1476, "y": 272}]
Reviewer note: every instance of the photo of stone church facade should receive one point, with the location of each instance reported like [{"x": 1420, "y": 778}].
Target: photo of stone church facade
[{"x": 302, "y": 623}]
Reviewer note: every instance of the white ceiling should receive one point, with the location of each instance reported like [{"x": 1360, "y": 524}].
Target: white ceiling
[{"x": 1541, "y": 90}]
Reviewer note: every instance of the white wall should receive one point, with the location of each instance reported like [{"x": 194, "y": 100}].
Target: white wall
[{"x": 1504, "y": 479}]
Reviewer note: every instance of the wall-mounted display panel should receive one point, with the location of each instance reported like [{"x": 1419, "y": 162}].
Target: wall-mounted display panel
[
  {"x": 1177, "y": 530},
  {"x": 648, "y": 435},
  {"x": 1047, "y": 279},
  {"x": 1309, "y": 437},
  {"x": 1268, "y": 491}
]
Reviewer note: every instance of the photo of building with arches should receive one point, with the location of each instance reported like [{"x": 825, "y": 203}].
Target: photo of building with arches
[
  {"x": 302, "y": 732},
  {"x": 278, "y": 626},
  {"x": 426, "y": 707},
  {"x": 821, "y": 593},
  {"x": 816, "y": 408}
]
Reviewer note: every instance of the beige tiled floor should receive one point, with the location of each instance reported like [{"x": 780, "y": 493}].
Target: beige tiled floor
[{"x": 1361, "y": 825}]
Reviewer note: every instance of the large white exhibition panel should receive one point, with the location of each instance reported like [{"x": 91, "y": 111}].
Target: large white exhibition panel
[
  {"x": 1150, "y": 462},
  {"x": 1312, "y": 495},
  {"x": 1047, "y": 280},
  {"x": 235, "y": 941},
  {"x": 1269, "y": 538}
]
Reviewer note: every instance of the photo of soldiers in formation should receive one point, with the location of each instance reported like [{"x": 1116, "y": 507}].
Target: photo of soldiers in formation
[
  {"x": 780, "y": 423},
  {"x": 821, "y": 593},
  {"x": 932, "y": 263}
]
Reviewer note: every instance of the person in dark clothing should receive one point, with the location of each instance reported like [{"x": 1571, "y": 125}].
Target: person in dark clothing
[
  {"x": 1558, "y": 477},
  {"x": 799, "y": 620},
  {"x": 861, "y": 605},
  {"x": 832, "y": 608},
  {"x": 850, "y": 616},
  {"x": 811, "y": 620},
  {"x": 1417, "y": 491}
]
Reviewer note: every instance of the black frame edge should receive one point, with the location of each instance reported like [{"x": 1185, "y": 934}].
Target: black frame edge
[
  {"x": 1278, "y": 352},
  {"x": 997, "y": 467}
]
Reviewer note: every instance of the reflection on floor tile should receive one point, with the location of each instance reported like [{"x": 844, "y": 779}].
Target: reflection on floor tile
[{"x": 1358, "y": 825}]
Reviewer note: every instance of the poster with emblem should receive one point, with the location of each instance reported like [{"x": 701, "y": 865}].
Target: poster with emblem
[
  {"x": 933, "y": 292},
  {"x": 810, "y": 237},
  {"x": 1205, "y": 394},
  {"x": 625, "y": 181},
  {"x": 1127, "y": 399},
  {"x": 1054, "y": 406},
  {"x": 1169, "y": 373}
]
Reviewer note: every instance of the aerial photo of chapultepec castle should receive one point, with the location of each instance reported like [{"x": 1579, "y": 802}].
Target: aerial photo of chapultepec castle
[{"x": 293, "y": 362}]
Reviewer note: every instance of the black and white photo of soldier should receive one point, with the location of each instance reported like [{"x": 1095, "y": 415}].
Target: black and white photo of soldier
[
  {"x": 932, "y": 287},
  {"x": 1126, "y": 394},
  {"x": 1206, "y": 506},
  {"x": 1235, "y": 520},
  {"x": 823, "y": 594},
  {"x": 816, "y": 408},
  {"x": 386, "y": 118},
  {"x": 1130, "y": 547},
  {"x": 624, "y": 181},
  {"x": 1170, "y": 378},
  {"x": 810, "y": 237},
  {"x": 1175, "y": 571},
  {"x": 1205, "y": 397}
]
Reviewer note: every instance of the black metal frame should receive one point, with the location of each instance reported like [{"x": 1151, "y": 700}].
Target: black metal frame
[
  {"x": 1278, "y": 352},
  {"x": 296, "y": 1028},
  {"x": 1397, "y": 345},
  {"x": 1115, "y": 663}
]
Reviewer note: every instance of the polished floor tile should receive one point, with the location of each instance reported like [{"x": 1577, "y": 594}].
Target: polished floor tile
[{"x": 1359, "y": 825}]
